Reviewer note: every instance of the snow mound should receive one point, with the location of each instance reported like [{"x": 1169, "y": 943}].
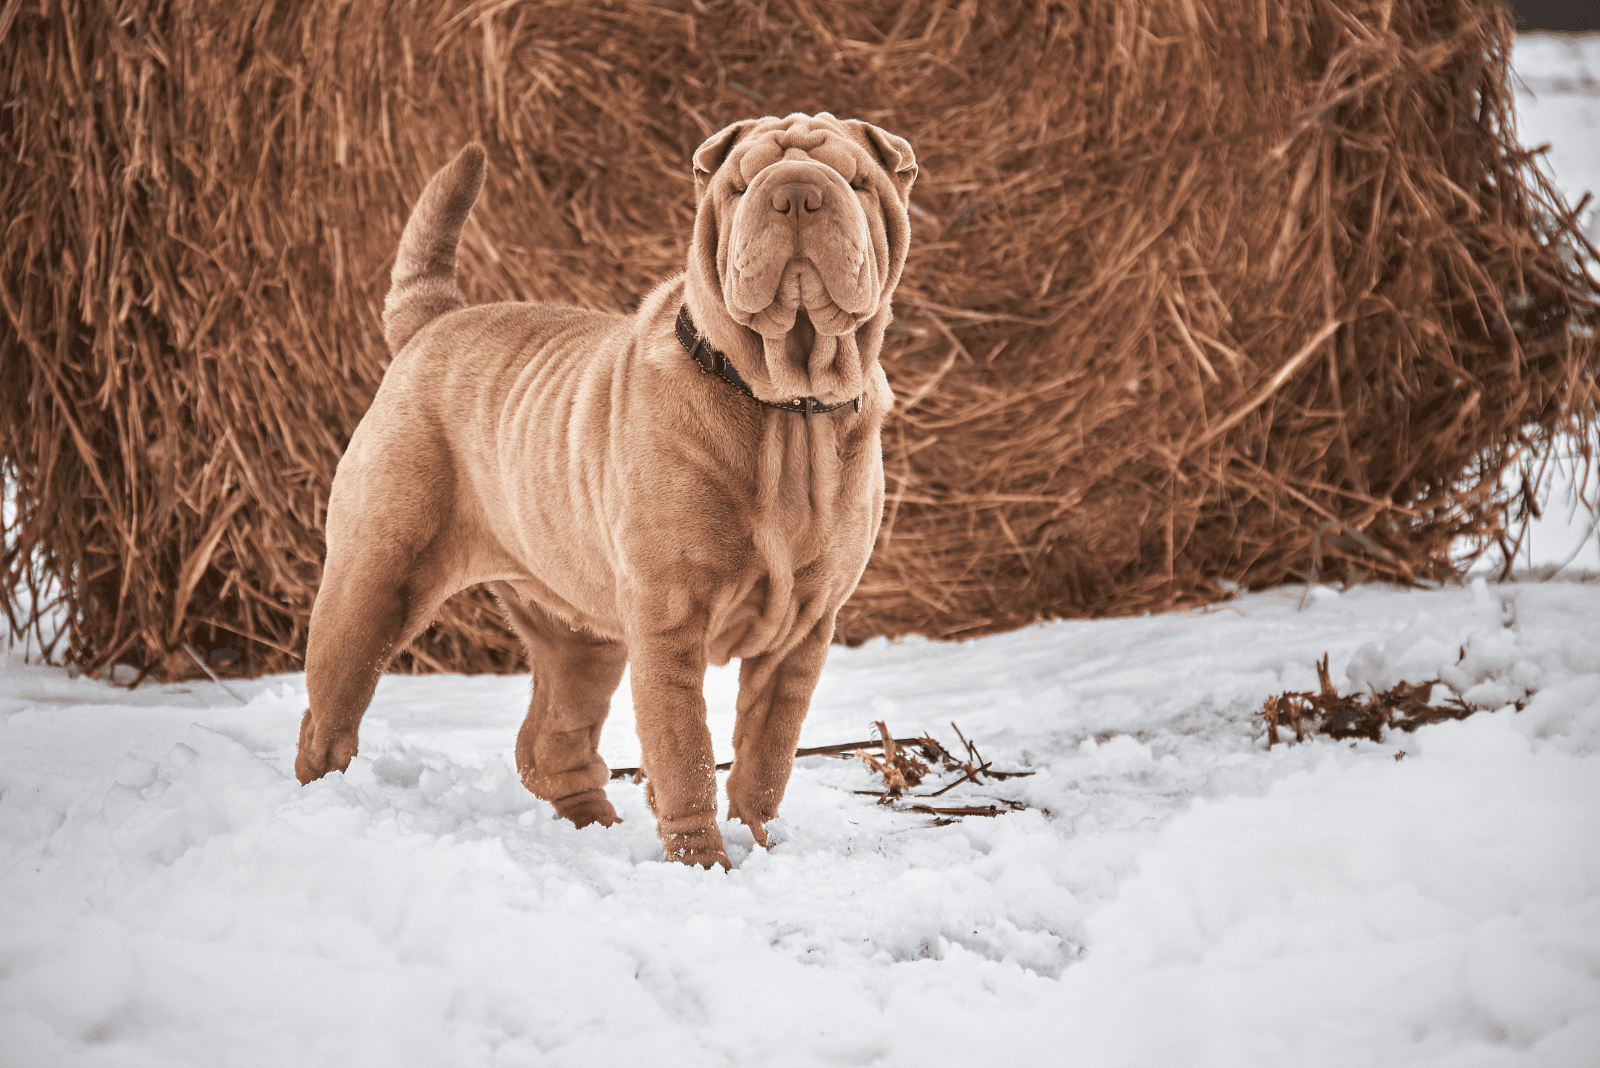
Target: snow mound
[{"x": 1485, "y": 658}]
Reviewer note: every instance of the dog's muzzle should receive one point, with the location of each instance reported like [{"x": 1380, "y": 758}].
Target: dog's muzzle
[{"x": 800, "y": 240}]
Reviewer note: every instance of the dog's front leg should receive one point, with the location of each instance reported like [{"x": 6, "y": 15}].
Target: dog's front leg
[
  {"x": 774, "y": 696},
  {"x": 667, "y": 670}
]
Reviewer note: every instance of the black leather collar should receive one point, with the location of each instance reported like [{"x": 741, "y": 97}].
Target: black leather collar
[{"x": 713, "y": 362}]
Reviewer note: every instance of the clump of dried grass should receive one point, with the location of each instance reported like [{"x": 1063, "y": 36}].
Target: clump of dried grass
[
  {"x": 1405, "y": 707},
  {"x": 1200, "y": 290}
]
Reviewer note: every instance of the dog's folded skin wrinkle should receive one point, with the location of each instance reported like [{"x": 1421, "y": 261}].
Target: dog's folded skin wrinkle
[
  {"x": 624, "y": 505},
  {"x": 713, "y": 362}
]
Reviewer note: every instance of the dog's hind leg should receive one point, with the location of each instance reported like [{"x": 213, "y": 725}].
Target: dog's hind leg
[
  {"x": 364, "y": 614},
  {"x": 574, "y": 676},
  {"x": 386, "y": 576}
]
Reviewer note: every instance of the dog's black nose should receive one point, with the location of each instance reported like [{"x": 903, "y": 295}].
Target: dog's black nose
[{"x": 797, "y": 196}]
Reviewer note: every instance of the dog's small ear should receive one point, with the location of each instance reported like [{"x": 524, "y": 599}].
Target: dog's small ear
[
  {"x": 710, "y": 155},
  {"x": 895, "y": 152}
]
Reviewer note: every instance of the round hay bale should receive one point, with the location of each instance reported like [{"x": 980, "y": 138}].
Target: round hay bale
[{"x": 1201, "y": 292}]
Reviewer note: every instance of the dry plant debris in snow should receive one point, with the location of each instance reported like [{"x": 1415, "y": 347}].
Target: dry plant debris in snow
[
  {"x": 896, "y": 760},
  {"x": 902, "y": 770},
  {"x": 1360, "y": 715}
]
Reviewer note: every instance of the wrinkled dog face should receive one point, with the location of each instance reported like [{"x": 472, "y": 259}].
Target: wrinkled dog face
[{"x": 800, "y": 239}]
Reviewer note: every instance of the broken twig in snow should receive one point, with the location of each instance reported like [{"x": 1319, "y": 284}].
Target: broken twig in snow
[
  {"x": 843, "y": 750},
  {"x": 898, "y": 762},
  {"x": 901, "y": 771}
]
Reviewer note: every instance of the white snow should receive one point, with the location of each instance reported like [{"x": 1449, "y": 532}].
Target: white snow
[{"x": 1175, "y": 893}]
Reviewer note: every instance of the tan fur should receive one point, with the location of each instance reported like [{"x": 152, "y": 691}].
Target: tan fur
[{"x": 626, "y": 507}]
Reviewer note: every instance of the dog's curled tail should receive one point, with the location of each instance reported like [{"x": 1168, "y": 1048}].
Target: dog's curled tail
[{"x": 423, "y": 286}]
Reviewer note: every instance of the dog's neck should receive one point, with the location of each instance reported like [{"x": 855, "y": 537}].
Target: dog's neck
[
  {"x": 806, "y": 358},
  {"x": 800, "y": 340}
]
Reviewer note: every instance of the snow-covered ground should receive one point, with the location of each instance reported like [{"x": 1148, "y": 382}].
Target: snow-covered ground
[
  {"x": 1173, "y": 893},
  {"x": 1176, "y": 893}
]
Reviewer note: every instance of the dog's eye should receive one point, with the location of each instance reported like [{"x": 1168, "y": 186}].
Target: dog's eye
[
  {"x": 858, "y": 184},
  {"x": 738, "y": 190}
]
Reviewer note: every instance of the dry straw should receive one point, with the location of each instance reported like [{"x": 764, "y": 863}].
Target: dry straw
[{"x": 1200, "y": 290}]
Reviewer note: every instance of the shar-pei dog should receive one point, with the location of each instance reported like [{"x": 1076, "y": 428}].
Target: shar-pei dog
[{"x": 697, "y": 481}]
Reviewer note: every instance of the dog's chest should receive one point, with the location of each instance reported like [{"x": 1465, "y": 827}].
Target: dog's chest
[
  {"x": 814, "y": 513},
  {"x": 776, "y": 609}
]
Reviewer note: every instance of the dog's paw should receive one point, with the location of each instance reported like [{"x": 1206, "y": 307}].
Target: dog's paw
[
  {"x": 316, "y": 755},
  {"x": 751, "y": 816},
  {"x": 705, "y": 859},
  {"x": 586, "y": 808},
  {"x": 758, "y": 830},
  {"x": 701, "y": 848}
]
